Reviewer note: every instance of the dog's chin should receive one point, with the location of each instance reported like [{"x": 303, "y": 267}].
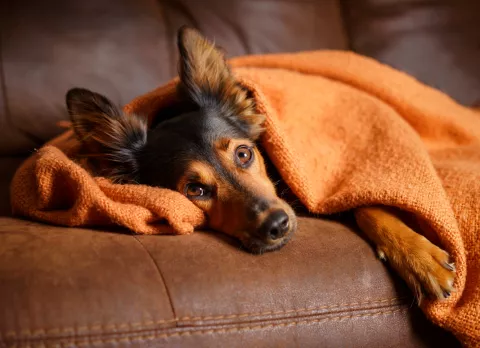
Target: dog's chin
[{"x": 258, "y": 247}]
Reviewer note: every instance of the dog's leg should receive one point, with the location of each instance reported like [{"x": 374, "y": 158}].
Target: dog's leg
[{"x": 424, "y": 266}]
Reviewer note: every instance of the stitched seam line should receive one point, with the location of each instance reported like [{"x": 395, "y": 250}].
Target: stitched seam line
[
  {"x": 301, "y": 310},
  {"x": 88, "y": 341},
  {"x": 105, "y": 327}
]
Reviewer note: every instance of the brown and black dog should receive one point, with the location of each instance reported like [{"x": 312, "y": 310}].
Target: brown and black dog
[{"x": 208, "y": 153}]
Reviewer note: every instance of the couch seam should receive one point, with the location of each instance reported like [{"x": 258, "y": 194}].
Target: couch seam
[
  {"x": 6, "y": 102},
  {"x": 144, "y": 325},
  {"x": 160, "y": 273},
  {"x": 3, "y": 85},
  {"x": 162, "y": 10},
  {"x": 88, "y": 341},
  {"x": 346, "y": 23},
  {"x": 288, "y": 311}
]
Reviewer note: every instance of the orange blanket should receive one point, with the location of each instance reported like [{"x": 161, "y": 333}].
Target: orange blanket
[{"x": 343, "y": 131}]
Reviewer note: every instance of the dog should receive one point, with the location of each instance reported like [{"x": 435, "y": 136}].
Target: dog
[{"x": 208, "y": 152}]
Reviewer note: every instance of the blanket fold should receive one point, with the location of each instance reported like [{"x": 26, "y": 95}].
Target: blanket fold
[{"x": 343, "y": 131}]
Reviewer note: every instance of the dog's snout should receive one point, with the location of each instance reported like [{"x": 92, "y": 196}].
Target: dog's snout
[{"x": 275, "y": 225}]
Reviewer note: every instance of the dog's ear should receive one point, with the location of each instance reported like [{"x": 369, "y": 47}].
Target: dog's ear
[
  {"x": 111, "y": 138},
  {"x": 209, "y": 83}
]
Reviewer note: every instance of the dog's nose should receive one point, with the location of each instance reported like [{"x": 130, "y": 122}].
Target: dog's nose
[{"x": 275, "y": 226}]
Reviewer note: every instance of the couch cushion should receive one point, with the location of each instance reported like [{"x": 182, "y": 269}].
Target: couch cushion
[
  {"x": 90, "y": 288},
  {"x": 126, "y": 48}
]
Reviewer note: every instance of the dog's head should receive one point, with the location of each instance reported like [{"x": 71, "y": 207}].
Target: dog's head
[{"x": 207, "y": 153}]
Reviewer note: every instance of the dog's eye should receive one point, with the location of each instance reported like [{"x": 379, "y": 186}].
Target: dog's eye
[
  {"x": 197, "y": 191},
  {"x": 243, "y": 156}
]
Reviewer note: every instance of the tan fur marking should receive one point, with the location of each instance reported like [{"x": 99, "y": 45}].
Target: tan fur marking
[
  {"x": 222, "y": 144},
  {"x": 227, "y": 211}
]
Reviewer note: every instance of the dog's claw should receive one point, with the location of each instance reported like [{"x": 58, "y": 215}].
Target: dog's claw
[
  {"x": 450, "y": 266},
  {"x": 381, "y": 255},
  {"x": 446, "y": 293}
]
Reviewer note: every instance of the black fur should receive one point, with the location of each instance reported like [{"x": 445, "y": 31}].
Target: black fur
[
  {"x": 176, "y": 142},
  {"x": 214, "y": 106},
  {"x": 112, "y": 139},
  {"x": 211, "y": 106}
]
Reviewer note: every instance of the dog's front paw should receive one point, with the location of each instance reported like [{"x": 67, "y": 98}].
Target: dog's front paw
[{"x": 425, "y": 267}]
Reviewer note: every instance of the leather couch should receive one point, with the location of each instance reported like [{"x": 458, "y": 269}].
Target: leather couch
[{"x": 63, "y": 287}]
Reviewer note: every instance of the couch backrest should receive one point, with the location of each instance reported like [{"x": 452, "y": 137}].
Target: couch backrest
[{"x": 124, "y": 48}]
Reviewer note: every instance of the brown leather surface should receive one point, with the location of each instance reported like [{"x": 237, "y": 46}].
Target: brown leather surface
[
  {"x": 93, "y": 288},
  {"x": 126, "y": 48},
  {"x": 436, "y": 41},
  {"x": 8, "y": 166}
]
